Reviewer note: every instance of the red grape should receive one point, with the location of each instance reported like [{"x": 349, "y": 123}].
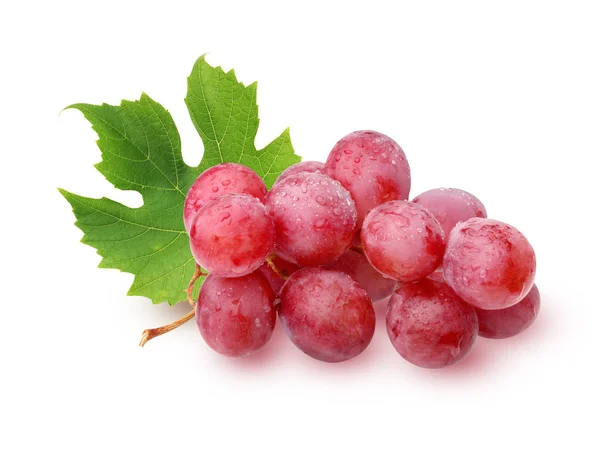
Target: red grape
[
  {"x": 508, "y": 322},
  {"x": 489, "y": 264},
  {"x": 358, "y": 267},
  {"x": 451, "y": 206},
  {"x": 429, "y": 325},
  {"x": 372, "y": 167},
  {"x": 315, "y": 218},
  {"x": 307, "y": 166},
  {"x": 236, "y": 316},
  {"x": 232, "y": 235},
  {"x": 402, "y": 240},
  {"x": 218, "y": 180},
  {"x": 326, "y": 314}
]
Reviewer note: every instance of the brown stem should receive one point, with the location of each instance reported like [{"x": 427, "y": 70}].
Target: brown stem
[
  {"x": 275, "y": 268},
  {"x": 197, "y": 274},
  {"x": 150, "y": 334},
  {"x": 358, "y": 249}
]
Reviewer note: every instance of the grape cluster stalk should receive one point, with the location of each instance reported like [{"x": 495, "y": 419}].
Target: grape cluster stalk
[{"x": 329, "y": 239}]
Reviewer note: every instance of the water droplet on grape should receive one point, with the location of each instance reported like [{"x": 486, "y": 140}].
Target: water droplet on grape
[
  {"x": 320, "y": 224},
  {"x": 357, "y": 159},
  {"x": 223, "y": 216},
  {"x": 226, "y": 182},
  {"x": 321, "y": 200},
  {"x": 215, "y": 189},
  {"x": 347, "y": 151}
]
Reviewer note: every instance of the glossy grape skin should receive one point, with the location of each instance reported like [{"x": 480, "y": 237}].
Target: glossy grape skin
[
  {"x": 489, "y": 264},
  {"x": 326, "y": 314},
  {"x": 306, "y": 166},
  {"x": 402, "y": 240},
  {"x": 508, "y": 322},
  {"x": 221, "y": 179},
  {"x": 429, "y": 325},
  {"x": 232, "y": 235},
  {"x": 315, "y": 218},
  {"x": 236, "y": 316},
  {"x": 451, "y": 206},
  {"x": 358, "y": 267},
  {"x": 372, "y": 167}
]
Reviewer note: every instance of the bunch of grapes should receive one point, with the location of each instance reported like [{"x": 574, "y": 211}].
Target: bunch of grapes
[{"x": 330, "y": 239}]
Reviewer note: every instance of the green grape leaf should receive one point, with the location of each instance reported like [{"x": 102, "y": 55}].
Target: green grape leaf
[
  {"x": 225, "y": 114},
  {"x": 141, "y": 151}
]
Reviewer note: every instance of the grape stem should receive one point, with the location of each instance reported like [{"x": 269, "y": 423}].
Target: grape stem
[
  {"x": 150, "y": 334},
  {"x": 358, "y": 249},
  {"x": 197, "y": 274},
  {"x": 275, "y": 268}
]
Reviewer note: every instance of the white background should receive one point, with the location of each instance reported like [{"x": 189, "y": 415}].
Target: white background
[{"x": 500, "y": 100}]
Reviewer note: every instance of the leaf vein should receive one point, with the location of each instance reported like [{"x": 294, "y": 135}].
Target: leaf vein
[{"x": 161, "y": 277}]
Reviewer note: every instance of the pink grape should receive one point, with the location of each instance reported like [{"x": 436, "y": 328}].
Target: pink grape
[
  {"x": 489, "y": 264},
  {"x": 236, "y": 316},
  {"x": 508, "y": 322},
  {"x": 451, "y": 206},
  {"x": 358, "y": 267},
  {"x": 402, "y": 240},
  {"x": 429, "y": 325},
  {"x": 315, "y": 218},
  {"x": 372, "y": 167},
  {"x": 232, "y": 235},
  {"x": 307, "y": 166},
  {"x": 326, "y": 314},
  {"x": 221, "y": 179}
]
